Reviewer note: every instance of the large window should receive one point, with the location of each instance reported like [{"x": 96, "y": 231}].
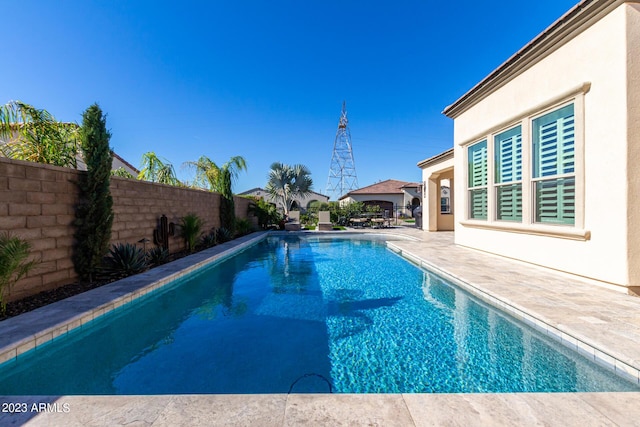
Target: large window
[
  {"x": 477, "y": 156},
  {"x": 554, "y": 167},
  {"x": 525, "y": 174},
  {"x": 508, "y": 174}
]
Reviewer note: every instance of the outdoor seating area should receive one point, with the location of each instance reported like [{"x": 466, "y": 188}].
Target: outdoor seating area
[
  {"x": 293, "y": 224},
  {"x": 324, "y": 221},
  {"x": 370, "y": 220}
]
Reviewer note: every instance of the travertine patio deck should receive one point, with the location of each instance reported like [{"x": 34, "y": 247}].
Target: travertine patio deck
[{"x": 602, "y": 323}]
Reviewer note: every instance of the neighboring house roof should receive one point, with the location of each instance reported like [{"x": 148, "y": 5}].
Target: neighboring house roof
[
  {"x": 390, "y": 186},
  {"x": 445, "y": 155},
  {"x": 252, "y": 191},
  {"x": 129, "y": 165},
  {"x": 259, "y": 189},
  {"x": 557, "y": 34}
]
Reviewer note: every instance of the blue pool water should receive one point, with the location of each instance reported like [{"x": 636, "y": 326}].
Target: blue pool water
[{"x": 305, "y": 314}]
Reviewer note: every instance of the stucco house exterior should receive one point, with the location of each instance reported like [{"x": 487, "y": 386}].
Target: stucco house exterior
[
  {"x": 437, "y": 193},
  {"x": 391, "y": 195},
  {"x": 546, "y": 157},
  {"x": 300, "y": 203}
]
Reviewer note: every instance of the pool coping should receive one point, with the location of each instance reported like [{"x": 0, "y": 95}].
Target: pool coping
[
  {"x": 560, "y": 334},
  {"x": 36, "y": 328}
]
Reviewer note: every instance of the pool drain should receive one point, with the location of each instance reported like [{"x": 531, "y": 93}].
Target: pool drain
[{"x": 311, "y": 375}]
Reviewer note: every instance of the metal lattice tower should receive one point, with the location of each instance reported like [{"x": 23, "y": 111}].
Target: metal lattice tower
[{"x": 342, "y": 172}]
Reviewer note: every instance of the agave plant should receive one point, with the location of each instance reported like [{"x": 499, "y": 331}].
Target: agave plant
[
  {"x": 13, "y": 263},
  {"x": 190, "y": 228},
  {"x": 224, "y": 235},
  {"x": 124, "y": 260},
  {"x": 209, "y": 240},
  {"x": 157, "y": 255}
]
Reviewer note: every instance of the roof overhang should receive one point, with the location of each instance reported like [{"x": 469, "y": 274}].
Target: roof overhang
[
  {"x": 572, "y": 23},
  {"x": 438, "y": 158}
]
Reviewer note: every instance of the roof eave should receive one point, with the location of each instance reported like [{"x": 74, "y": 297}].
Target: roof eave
[
  {"x": 445, "y": 155},
  {"x": 576, "y": 20}
]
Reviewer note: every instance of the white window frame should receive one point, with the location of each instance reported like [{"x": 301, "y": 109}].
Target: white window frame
[
  {"x": 516, "y": 180},
  {"x": 575, "y": 231}
]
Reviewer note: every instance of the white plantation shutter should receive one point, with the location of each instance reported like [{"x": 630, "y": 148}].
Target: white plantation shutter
[
  {"x": 509, "y": 201},
  {"x": 508, "y": 163},
  {"x": 478, "y": 164},
  {"x": 555, "y": 201},
  {"x": 477, "y": 158},
  {"x": 508, "y": 148},
  {"x": 553, "y": 160}
]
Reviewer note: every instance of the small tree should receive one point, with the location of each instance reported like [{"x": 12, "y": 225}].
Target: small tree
[
  {"x": 13, "y": 263},
  {"x": 288, "y": 182},
  {"x": 266, "y": 213},
  {"x": 158, "y": 170},
  {"x": 35, "y": 135},
  {"x": 94, "y": 213},
  {"x": 220, "y": 178}
]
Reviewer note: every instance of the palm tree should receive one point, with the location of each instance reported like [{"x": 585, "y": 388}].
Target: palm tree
[
  {"x": 158, "y": 170},
  {"x": 212, "y": 177},
  {"x": 35, "y": 135},
  {"x": 220, "y": 179},
  {"x": 14, "y": 252},
  {"x": 288, "y": 182}
]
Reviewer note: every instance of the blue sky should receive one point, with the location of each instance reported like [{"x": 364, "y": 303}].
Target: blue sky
[{"x": 264, "y": 80}]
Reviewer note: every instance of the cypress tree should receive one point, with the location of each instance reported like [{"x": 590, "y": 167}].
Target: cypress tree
[
  {"x": 94, "y": 214},
  {"x": 227, "y": 205}
]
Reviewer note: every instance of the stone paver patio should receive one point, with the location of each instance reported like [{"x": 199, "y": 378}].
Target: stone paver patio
[{"x": 601, "y": 323}]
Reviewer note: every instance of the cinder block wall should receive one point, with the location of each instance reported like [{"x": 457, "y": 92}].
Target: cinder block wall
[
  {"x": 138, "y": 206},
  {"x": 37, "y": 203}
]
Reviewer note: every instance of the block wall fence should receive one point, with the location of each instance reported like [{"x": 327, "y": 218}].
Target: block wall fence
[{"x": 37, "y": 203}]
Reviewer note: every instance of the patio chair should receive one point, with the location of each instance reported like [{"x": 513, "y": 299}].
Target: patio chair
[
  {"x": 324, "y": 221},
  {"x": 294, "y": 221}
]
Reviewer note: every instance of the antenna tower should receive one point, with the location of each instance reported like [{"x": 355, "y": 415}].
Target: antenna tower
[{"x": 342, "y": 172}]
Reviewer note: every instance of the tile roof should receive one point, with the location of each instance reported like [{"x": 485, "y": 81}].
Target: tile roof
[
  {"x": 390, "y": 186},
  {"x": 583, "y": 14}
]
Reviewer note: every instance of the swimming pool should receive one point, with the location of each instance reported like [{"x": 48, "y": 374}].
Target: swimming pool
[{"x": 305, "y": 314}]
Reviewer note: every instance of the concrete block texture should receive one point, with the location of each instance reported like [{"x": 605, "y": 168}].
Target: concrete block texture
[{"x": 38, "y": 203}]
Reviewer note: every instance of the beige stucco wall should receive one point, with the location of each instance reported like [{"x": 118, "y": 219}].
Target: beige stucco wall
[
  {"x": 432, "y": 175},
  {"x": 597, "y": 56}
]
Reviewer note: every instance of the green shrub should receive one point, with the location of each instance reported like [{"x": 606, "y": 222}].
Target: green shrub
[
  {"x": 224, "y": 235},
  {"x": 157, "y": 255},
  {"x": 13, "y": 263},
  {"x": 122, "y": 173},
  {"x": 266, "y": 213},
  {"x": 243, "y": 227},
  {"x": 209, "y": 240},
  {"x": 309, "y": 220},
  {"x": 124, "y": 260},
  {"x": 190, "y": 230}
]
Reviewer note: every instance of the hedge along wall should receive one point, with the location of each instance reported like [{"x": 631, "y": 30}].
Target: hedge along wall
[{"x": 37, "y": 203}]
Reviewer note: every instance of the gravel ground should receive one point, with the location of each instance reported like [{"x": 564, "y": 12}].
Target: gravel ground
[
  {"x": 32, "y": 302},
  {"x": 20, "y": 306}
]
